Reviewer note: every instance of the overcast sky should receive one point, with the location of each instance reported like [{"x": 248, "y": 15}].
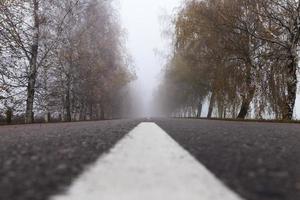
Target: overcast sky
[
  {"x": 141, "y": 19},
  {"x": 143, "y": 24}
]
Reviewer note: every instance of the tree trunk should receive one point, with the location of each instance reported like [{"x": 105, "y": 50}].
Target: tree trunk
[
  {"x": 102, "y": 112},
  {"x": 211, "y": 105},
  {"x": 249, "y": 94},
  {"x": 9, "y": 114},
  {"x": 47, "y": 117},
  {"x": 32, "y": 66},
  {"x": 30, "y": 99},
  {"x": 220, "y": 109},
  {"x": 291, "y": 89},
  {"x": 246, "y": 104},
  {"x": 82, "y": 112},
  {"x": 68, "y": 106},
  {"x": 97, "y": 112},
  {"x": 199, "y": 110},
  {"x": 244, "y": 109},
  {"x": 91, "y": 112}
]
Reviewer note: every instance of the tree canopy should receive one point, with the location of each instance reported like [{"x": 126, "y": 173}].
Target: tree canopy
[
  {"x": 62, "y": 58},
  {"x": 240, "y": 55}
]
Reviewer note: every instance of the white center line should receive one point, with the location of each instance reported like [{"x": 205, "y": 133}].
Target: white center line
[{"x": 147, "y": 164}]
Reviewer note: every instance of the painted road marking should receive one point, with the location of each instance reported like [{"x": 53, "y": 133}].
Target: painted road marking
[{"x": 147, "y": 164}]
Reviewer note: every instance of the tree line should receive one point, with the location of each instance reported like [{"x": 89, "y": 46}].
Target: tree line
[
  {"x": 239, "y": 55},
  {"x": 62, "y": 59}
]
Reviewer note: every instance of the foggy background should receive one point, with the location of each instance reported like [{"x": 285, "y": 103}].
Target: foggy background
[{"x": 143, "y": 21}]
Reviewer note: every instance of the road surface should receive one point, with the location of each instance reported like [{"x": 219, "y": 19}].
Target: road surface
[{"x": 194, "y": 158}]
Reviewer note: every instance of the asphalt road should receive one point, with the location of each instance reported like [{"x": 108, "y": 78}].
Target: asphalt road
[
  {"x": 37, "y": 161},
  {"x": 259, "y": 161}
]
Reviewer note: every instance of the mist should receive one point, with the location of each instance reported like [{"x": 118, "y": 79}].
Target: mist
[{"x": 143, "y": 24}]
